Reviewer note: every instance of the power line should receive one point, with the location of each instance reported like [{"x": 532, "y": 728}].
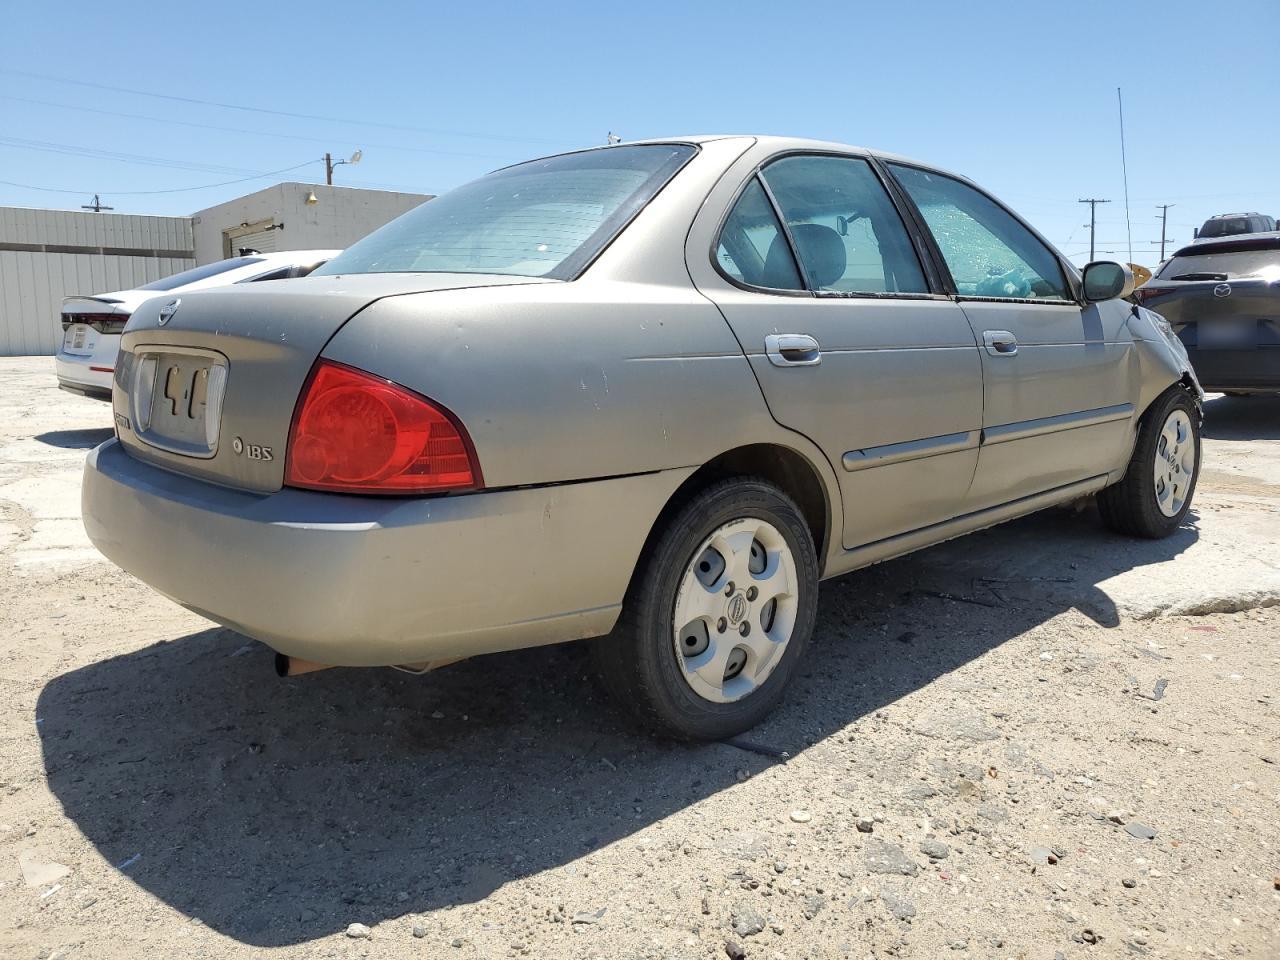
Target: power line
[
  {"x": 141, "y": 193},
  {"x": 95, "y": 153},
  {"x": 253, "y": 133},
  {"x": 275, "y": 113}
]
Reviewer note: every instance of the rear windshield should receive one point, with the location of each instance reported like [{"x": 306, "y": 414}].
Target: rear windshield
[
  {"x": 199, "y": 273},
  {"x": 546, "y": 218},
  {"x": 1219, "y": 264}
]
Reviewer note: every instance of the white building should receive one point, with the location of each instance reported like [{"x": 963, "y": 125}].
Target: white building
[
  {"x": 46, "y": 255},
  {"x": 295, "y": 216}
]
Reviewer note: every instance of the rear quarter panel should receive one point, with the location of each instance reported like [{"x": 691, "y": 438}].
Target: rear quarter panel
[{"x": 569, "y": 381}]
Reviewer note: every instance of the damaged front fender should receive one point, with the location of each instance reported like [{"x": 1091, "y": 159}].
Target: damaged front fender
[{"x": 1161, "y": 357}]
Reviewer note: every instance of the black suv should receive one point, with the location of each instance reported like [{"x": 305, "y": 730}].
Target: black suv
[{"x": 1233, "y": 224}]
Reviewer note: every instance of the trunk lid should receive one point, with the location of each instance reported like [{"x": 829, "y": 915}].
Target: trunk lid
[{"x": 206, "y": 382}]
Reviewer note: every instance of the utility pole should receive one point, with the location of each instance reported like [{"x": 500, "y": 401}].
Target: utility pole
[
  {"x": 97, "y": 206},
  {"x": 1164, "y": 215},
  {"x": 1093, "y": 220}
]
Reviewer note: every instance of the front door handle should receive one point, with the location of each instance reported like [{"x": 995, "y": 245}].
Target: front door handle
[
  {"x": 1000, "y": 343},
  {"x": 792, "y": 350}
]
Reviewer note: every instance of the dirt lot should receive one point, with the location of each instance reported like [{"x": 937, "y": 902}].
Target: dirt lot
[{"x": 1042, "y": 741}]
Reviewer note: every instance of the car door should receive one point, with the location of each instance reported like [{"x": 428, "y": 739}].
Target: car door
[
  {"x": 851, "y": 342},
  {"x": 1057, "y": 374}
]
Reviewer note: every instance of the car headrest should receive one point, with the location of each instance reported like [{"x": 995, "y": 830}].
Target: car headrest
[
  {"x": 780, "y": 267},
  {"x": 822, "y": 251}
]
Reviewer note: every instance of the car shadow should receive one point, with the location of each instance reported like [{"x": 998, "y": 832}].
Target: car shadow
[
  {"x": 85, "y": 439},
  {"x": 1242, "y": 418},
  {"x": 279, "y": 811}
]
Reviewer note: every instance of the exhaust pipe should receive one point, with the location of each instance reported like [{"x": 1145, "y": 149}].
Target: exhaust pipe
[{"x": 295, "y": 667}]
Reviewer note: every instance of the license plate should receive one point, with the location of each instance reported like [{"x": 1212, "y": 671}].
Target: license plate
[
  {"x": 1227, "y": 334},
  {"x": 185, "y": 408},
  {"x": 80, "y": 338}
]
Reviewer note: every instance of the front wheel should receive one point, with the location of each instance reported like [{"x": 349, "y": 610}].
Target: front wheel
[
  {"x": 1153, "y": 498},
  {"x": 718, "y": 615}
]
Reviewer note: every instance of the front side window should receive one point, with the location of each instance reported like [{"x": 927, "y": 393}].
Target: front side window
[
  {"x": 989, "y": 253},
  {"x": 753, "y": 248},
  {"x": 846, "y": 230},
  {"x": 545, "y": 218}
]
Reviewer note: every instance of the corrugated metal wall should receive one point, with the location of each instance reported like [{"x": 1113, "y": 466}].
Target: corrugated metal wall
[
  {"x": 46, "y": 255},
  {"x": 32, "y": 286}
]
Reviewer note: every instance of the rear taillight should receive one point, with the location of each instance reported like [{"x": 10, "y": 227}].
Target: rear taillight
[
  {"x": 102, "y": 322},
  {"x": 356, "y": 433},
  {"x": 1144, "y": 294}
]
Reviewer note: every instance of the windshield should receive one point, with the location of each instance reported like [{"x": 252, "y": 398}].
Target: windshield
[
  {"x": 199, "y": 273},
  {"x": 546, "y": 218},
  {"x": 1222, "y": 266}
]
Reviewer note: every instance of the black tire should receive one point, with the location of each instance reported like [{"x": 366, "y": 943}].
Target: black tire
[
  {"x": 638, "y": 661},
  {"x": 1130, "y": 506}
]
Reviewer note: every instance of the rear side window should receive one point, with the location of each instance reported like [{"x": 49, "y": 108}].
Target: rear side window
[
  {"x": 282, "y": 274},
  {"x": 753, "y": 249},
  {"x": 989, "y": 253},
  {"x": 847, "y": 231}
]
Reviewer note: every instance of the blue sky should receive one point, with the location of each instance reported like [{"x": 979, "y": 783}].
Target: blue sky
[{"x": 1019, "y": 96}]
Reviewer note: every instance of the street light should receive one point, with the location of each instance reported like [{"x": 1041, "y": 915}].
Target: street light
[{"x": 330, "y": 163}]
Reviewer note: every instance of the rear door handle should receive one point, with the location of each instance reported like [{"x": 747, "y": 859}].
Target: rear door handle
[
  {"x": 1000, "y": 343},
  {"x": 792, "y": 350}
]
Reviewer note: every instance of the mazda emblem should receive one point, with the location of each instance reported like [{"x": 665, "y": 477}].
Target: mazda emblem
[{"x": 1222, "y": 290}]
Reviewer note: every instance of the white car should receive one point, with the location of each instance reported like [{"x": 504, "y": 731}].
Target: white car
[{"x": 91, "y": 326}]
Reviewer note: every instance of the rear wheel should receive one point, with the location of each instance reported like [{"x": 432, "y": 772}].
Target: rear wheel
[
  {"x": 719, "y": 613},
  {"x": 1153, "y": 498}
]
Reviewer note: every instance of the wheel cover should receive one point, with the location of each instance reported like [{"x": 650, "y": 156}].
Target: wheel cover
[
  {"x": 735, "y": 610},
  {"x": 1175, "y": 463}
]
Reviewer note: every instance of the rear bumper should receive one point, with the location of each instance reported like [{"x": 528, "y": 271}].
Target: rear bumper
[
  {"x": 85, "y": 390},
  {"x": 86, "y": 376},
  {"x": 363, "y": 581},
  {"x": 1257, "y": 368}
]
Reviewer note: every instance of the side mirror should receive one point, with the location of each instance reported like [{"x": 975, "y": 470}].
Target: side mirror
[{"x": 1107, "y": 280}]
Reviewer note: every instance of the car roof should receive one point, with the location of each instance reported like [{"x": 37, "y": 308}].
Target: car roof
[
  {"x": 1234, "y": 216},
  {"x": 780, "y": 144}
]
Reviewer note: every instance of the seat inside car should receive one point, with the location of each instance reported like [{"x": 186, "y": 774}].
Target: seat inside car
[{"x": 820, "y": 248}]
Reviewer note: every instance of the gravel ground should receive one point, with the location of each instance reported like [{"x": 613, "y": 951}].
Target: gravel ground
[{"x": 1041, "y": 741}]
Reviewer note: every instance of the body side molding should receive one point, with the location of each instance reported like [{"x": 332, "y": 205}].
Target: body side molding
[
  {"x": 1023, "y": 429},
  {"x": 909, "y": 450}
]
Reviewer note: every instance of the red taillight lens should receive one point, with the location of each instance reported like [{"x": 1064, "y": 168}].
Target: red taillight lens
[
  {"x": 1143, "y": 294},
  {"x": 357, "y": 433}
]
